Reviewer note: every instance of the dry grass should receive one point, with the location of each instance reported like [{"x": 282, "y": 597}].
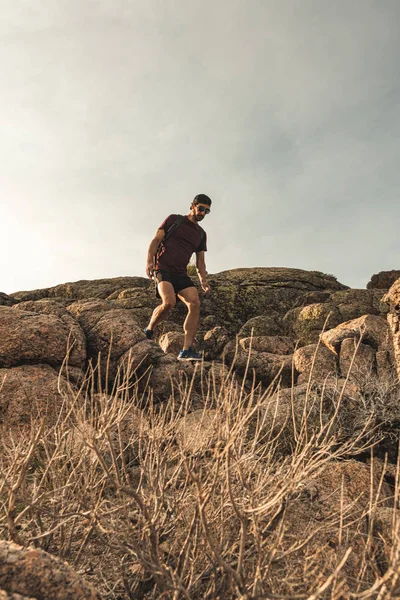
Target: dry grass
[{"x": 118, "y": 489}]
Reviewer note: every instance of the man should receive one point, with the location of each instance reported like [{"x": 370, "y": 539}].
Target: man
[{"x": 167, "y": 263}]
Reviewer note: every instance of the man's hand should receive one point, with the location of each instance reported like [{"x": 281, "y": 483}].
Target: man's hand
[
  {"x": 205, "y": 286},
  {"x": 150, "y": 269}
]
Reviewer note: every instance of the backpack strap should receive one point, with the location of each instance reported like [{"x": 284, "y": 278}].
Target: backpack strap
[
  {"x": 177, "y": 223},
  {"x": 172, "y": 228}
]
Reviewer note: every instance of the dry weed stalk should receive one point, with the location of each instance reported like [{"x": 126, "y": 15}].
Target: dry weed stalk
[{"x": 112, "y": 476}]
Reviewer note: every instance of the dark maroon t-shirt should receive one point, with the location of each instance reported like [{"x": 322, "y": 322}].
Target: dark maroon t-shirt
[{"x": 174, "y": 256}]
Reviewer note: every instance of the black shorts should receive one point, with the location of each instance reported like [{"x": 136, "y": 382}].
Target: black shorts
[{"x": 179, "y": 281}]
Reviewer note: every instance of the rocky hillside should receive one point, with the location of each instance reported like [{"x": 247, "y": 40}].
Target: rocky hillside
[
  {"x": 75, "y": 355},
  {"x": 280, "y": 309}
]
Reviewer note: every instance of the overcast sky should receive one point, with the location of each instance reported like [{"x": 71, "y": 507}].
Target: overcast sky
[{"x": 116, "y": 113}]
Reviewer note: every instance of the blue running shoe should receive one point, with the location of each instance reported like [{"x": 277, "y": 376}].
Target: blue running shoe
[
  {"x": 189, "y": 355},
  {"x": 149, "y": 333}
]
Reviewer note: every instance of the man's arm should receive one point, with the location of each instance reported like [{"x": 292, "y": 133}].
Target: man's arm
[
  {"x": 201, "y": 271},
  {"x": 151, "y": 253}
]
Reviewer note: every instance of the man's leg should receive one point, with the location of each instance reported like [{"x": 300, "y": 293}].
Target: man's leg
[
  {"x": 168, "y": 301},
  {"x": 190, "y": 297}
]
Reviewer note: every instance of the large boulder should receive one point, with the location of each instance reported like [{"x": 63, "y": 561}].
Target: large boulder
[
  {"x": 214, "y": 341},
  {"x": 355, "y": 303},
  {"x": 274, "y": 344},
  {"x": 392, "y": 299},
  {"x": 306, "y": 323},
  {"x": 31, "y": 337},
  {"x": 172, "y": 342},
  {"x": 383, "y": 280},
  {"x": 152, "y": 369},
  {"x": 308, "y": 409},
  {"x": 240, "y": 294},
  {"x": 266, "y": 367},
  {"x": 371, "y": 329},
  {"x": 315, "y": 360},
  {"x": 89, "y": 312},
  {"x": 29, "y": 392},
  {"x": 6, "y": 300},
  {"x": 57, "y": 307},
  {"x": 114, "y": 333},
  {"x": 46, "y": 306},
  {"x": 39, "y": 576},
  {"x": 357, "y": 360},
  {"x": 96, "y": 288},
  {"x": 268, "y": 324},
  {"x": 110, "y": 331},
  {"x": 140, "y": 300}
]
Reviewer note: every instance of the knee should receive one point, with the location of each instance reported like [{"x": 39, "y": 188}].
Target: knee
[
  {"x": 194, "y": 305},
  {"x": 168, "y": 305}
]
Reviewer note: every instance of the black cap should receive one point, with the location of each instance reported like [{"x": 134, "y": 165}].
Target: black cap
[{"x": 202, "y": 199}]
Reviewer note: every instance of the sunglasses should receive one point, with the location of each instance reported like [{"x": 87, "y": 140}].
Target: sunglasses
[{"x": 203, "y": 209}]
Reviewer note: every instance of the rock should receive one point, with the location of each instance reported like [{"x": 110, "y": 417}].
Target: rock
[
  {"x": 317, "y": 359},
  {"x": 213, "y": 377},
  {"x": 166, "y": 375},
  {"x": 30, "y": 295},
  {"x": 214, "y": 341},
  {"x": 209, "y": 322},
  {"x": 172, "y": 342},
  {"x": 355, "y": 303},
  {"x": 312, "y": 298},
  {"x": 137, "y": 284},
  {"x": 27, "y": 337},
  {"x": 110, "y": 331},
  {"x": 309, "y": 408},
  {"x": 383, "y": 280},
  {"x": 89, "y": 312},
  {"x": 138, "y": 297},
  {"x": 49, "y": 306},
  {"x": 266, "y": 325},
  {"x": 34, "y": 573},
  {"x": 73, "y": 375},
  {"x": 361, "y": 360},
  {"x": 140, "y": 300},
  {"x": 373, "y": 330},
  {"x": 264, "y": 366},
  {"x": 306, "y": 324},
  {"x": 6, "y": 300},
  {"x": 96, "y": 288},
  {"x": 240, "y": 294},
  {"x": 138, "y": 358},
  {"x": 84, "y": 289},
  {"x": 384, "y": 363},
  {"x": 114, "y": 333},
  {"x": 272, "y": 344},
  {"x": 29, "y": 392},
  {"x": 237, "y": 295},
  {"x": 392, "y": 298},
  {"x": 46, "y": 306},
  {"x": 147, "y": 363}
]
